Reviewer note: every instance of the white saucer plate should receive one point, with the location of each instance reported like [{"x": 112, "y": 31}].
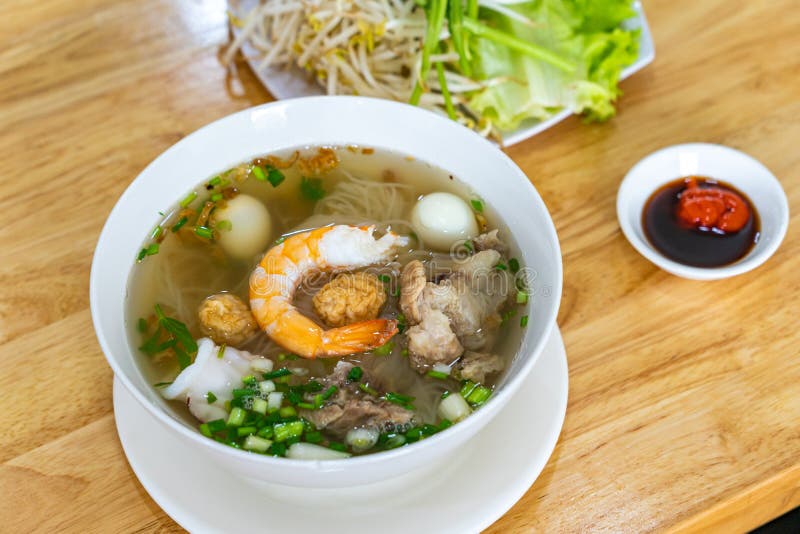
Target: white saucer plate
[{"x": 467, "y": 494}]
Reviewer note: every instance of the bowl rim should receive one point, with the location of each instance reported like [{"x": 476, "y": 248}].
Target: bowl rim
[
  {"x": 480, "y": 417},
  {"x": 753, "y": 259}
]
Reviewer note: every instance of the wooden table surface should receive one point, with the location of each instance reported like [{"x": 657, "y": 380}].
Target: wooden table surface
[{"x": 684, "y": 401}]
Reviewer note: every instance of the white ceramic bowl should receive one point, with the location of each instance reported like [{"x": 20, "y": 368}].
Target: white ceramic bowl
[
  {"x": 324, "y": 121},
  {"x": 715, "y": 161}
]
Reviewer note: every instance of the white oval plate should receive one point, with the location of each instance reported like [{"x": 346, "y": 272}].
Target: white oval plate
[
  {"x": 467, "y": 494},
  {"x": 293, "y": 82}
]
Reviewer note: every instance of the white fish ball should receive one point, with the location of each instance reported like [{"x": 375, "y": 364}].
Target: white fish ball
[
  {"x": 250, "y": 229},
  {"x": 442, "y": 219}
]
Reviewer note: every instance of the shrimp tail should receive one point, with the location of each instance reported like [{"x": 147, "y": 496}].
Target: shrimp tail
[{"x": 357, "y": 337}]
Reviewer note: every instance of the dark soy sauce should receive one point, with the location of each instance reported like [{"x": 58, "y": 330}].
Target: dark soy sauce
[{"x": 692, "y": 242}]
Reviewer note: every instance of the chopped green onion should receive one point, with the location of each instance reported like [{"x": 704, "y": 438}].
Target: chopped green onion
[
  {"x": 243, "y": 431},
  {"x": 240, "y": 393},
  {"x": 467, "y": 388},
  {"x": 445, "y": 423},
  {"x": 259, "y": 406},
  {"x": 221, "y": 351},
  {"x": 479, "y": 395},
  {"x": 225, "y": 225},
  {"x": 394, "y": 441},
  {"x": 306, "y": 406},
  {"x": 385, "y": 349},
  {"x": 216, "y": 197},
  {"x": 513, "y": 264},
  {"x": 141, "y": 325},
  {"x": 335, "y": 445},
  {"x": 385, "y": 278},
  {"x": 445, "y": 395},
  {"x": 217, "y": 425},
  {"x": 256, "y": 444},
  {"x": 311, "y": 188},
  {"x": 404, "y": 352},
  {"x": 438, "y": 374},
  {"x": 188, "y": 199},
  {"x": 141, "y": 255},
  {"x": 501, "y": 266},
  {"x": 402, "y": 400},
  {"x": 204, "y": 231},
  {"x": 366, "y": 389},
  {"x": 280, "y": 240},
  {"x": 274, "y": 176},
  {"x": 468, "y": 246},
  {"x": 215, "y": 181},
  {"x": 477, "y": 205},
  {"x": 429, "y": 430},
  {"x": 205, "y": 430},
  {"x": 522, "y": 297},
  {"x": 156, "y": 233},
  {"x": 249, "y": 380},
  {"x": 211, "y": 398},
  {"x": 258, "y": 173},
  {"x": 329, "y": 392},
  {"x": 178, "y": 225},
  {"x": 523, "y": 321},
  {"x": 266, "y": 432},
  {"x": 313, "y": 437},
  {"x": 236, "y": 417},
  {"x": 287, "y": 411},
  {"x": 284, "y": 431},
  {"x": 355, "y": 374},
  {"x": 283, "y": 371}
]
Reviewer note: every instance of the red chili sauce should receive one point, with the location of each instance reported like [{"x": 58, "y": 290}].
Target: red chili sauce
[{"x": 700, "y": 222}]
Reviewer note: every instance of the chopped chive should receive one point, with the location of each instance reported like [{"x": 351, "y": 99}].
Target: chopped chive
[
  {"x": 205, "y": 430},
  {"x": 258, "y": 173},
  {"x": 467, "y": 388},
  {"x": 477, "y": 205},
  {"x": 216, "y": 197},
  {"x": 274, "y": 176},
  {"x": 215, "y": 181},
  {"x": 522, "y": 297},
  {"x": 366, "y": 389},
  {"x": 277, "y": 449},
  {"x": 266, "y": 432},
  {"x": 445, "y": 395},
  {"x": 523, "y": 321},
  {"x": 211, "y": 398},
  {"x": 283, "y": 371},
  {"x": 161, "y": 384},
  {"x": 438, "y": 374},
  {"x": 385, "y": 349},
  {"x": 152, "y": 249},
  {"x": 224, "y": 224},
  {"x": 221, "y": 351},
  {"x": 468, "y": 246},
  {"x": 355, "y": 374},
  {"x": 239, "y": 393},
  {"x": 513, "y": 264},
  {"x": 501, "y": 267},
  {"x": 429, "y": 430},
  {"x": 178, "y": 225},
  {"x": 280, "y": 240},
  {"x": 141, "y": 255},
  {"x": 236, "y": 417},
  {"x": 156, "y": 233},
  {"x": 402, "y": 400},
  {"x": 394, "y": 441},
  {"x": 256, "y": 444},
  {"x": 404, "y": 352},
  {"x": 249, "y": 380},
  {"x": 445, "y": 423},
  {"x": 385, "y": 278},
  {"x": 311, "y": 188},
  {"x": 204, "y": 231},
  {"x": 306, "y": 406},
  {"x": 188, "y": 199},
  {"x": 141, "y": 325}
]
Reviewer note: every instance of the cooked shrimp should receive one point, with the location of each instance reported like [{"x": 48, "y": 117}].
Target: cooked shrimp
[{"x": 274, "y": 281}]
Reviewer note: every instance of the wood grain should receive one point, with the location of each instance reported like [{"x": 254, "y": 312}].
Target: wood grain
[{"x": 684, "y": 411}]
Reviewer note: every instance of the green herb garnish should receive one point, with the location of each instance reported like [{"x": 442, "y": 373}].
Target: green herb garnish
[
  {"x": 523, "y": 321},
  {"x": 188, "y": 199},
  {"x": 513, "y": 264},
  {"x": 178, "y": 339},
  {"x": 477, "y": 205},
  {"x": 178, "y": 225},
  {"x": 311, "y": 188},
  {"x": 211, "y": 398},
  {"x": 204, "y": 231},
  {"x": 355, "y": 374}
]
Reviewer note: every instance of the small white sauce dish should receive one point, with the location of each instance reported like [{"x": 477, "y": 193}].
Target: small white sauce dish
[{"x": 714, "y": 161}]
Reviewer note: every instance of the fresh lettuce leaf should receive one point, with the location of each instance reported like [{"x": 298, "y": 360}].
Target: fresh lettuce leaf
[{"x": 586, "y": 32}]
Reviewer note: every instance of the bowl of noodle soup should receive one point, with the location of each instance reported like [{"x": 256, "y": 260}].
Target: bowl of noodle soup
[{"x": 388, "y": 157}]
